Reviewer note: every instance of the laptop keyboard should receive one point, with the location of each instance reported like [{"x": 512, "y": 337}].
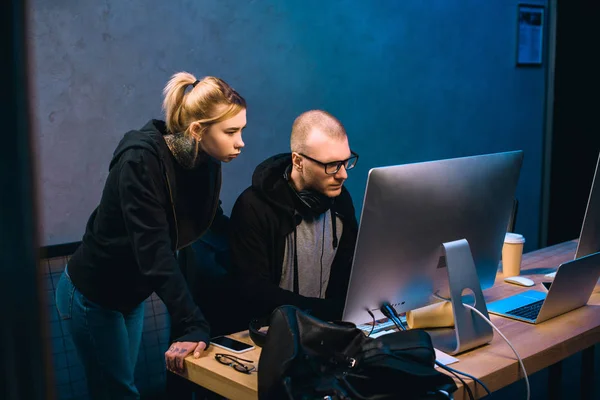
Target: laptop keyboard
[{"x": 530, "y": 311}]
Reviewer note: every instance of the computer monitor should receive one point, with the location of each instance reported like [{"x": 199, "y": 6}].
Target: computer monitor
[
  {"x": 589, "y": 238},
  {"x": 410, "y": 210}
]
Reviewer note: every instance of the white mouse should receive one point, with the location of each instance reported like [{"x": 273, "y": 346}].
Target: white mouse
[{"x": 519, "y": 280}]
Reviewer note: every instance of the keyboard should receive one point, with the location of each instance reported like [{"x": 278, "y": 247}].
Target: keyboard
[
  {"x": 380, "y": 326},
  {"x": 530, "y": 311},
  {"x": 551, "y": 275}
]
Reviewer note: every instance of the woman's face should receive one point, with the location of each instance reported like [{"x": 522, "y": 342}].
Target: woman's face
[{"x": 223, "y": 140}]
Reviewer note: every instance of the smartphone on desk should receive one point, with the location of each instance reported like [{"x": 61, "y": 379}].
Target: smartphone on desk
[{"x": 233, "y": 345}]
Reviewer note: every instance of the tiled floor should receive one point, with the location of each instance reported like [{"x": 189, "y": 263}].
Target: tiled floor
[{"x": 68, "y": 372}]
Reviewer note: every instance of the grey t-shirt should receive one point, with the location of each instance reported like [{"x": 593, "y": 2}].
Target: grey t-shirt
[{"x": 314, "y": 244}]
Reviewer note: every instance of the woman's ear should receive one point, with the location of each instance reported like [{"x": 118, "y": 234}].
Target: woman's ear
[{"x": 196, "y": 130}]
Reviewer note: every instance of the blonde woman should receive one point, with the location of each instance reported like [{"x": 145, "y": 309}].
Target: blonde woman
[{"x": 161, "y": 194}]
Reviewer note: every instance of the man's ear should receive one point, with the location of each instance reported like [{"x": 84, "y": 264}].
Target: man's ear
[{"x": 297, "y": 161}]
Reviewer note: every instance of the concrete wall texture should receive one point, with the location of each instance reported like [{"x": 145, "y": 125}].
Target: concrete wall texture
[{"x": 411, "y": 80}]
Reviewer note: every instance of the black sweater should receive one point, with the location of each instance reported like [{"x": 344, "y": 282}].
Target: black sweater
[
  {"x": 150, "y": 208},
  {"x": 261, "y": 219}
]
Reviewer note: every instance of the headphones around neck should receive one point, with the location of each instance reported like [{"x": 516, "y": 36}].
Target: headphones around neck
[{"x": 315, "y": 201}]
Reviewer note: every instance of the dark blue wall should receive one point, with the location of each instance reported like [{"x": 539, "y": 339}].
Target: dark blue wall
[{"x": 411, "y": 80}]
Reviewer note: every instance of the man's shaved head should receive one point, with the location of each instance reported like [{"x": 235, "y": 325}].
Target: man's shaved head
[{"x": 314, "y": 119}]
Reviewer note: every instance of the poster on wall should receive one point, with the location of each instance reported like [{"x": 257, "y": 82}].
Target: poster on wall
[{"x": 530, "y": 34}]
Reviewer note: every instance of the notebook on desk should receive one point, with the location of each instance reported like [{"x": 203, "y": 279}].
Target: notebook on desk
[{"x": 572, "y": 287}]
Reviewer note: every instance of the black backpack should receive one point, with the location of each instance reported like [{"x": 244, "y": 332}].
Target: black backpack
[{"x": 306, "y": 358}]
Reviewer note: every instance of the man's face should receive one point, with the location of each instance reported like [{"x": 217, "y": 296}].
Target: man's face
[{"x": 325, "y": 149}]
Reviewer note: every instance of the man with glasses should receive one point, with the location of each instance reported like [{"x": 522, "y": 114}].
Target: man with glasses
[{"x": 294, "y": 230}]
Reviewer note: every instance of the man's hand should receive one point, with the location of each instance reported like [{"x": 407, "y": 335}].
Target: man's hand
[{"x": 179, "y": 351}]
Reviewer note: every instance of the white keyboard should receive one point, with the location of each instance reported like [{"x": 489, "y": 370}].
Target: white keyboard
[
  {"x": 550, "y": 275},
  {"x": 380, "y": 326}
]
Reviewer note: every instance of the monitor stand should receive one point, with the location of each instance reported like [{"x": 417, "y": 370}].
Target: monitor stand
[{"x": 470, "y": 330}]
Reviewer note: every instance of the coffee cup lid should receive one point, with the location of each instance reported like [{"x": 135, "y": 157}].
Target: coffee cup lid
[{"x": 514, "y": 238}]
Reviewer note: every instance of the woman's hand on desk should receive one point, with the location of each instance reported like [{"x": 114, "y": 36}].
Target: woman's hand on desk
[{"x": 179, "y": 351}]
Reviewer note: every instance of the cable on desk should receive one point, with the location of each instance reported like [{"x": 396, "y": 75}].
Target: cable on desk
[
  {"x": 454, "y": 373},
  {"x": 373, "y": 326},
  {"x": 391, "y": 313},
  {"x": 490, "y": 323}
]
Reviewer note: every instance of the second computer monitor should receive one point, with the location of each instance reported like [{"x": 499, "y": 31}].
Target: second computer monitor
[
  {"x": 410, "y": 210},
  {"x": 589, "y": 238}
]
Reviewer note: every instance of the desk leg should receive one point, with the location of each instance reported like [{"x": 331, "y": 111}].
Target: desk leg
[
  {"x": 555, "y": 381},
  {"x": 587, "y": 373}
]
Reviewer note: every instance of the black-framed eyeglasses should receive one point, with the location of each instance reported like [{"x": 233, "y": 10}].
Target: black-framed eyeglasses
[
  {"x": 235, "y": 362},
  {"x": 332, "y": 167}
]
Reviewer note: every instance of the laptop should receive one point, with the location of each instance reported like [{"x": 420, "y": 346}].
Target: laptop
[
  {"x": 589, "y": 238},
  {"x": 572, "y": 287}
]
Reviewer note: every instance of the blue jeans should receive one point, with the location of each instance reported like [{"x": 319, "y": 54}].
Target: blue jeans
[{"x": 107, "y": 341}]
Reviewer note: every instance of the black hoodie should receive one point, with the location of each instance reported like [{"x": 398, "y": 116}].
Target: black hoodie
[
  {"x": 262, "y": 217},
  {"x": 150, "y": 208}
]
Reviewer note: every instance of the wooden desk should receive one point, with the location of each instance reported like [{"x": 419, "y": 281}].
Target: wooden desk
[
  {"x": 223, "y": 379},
  {"x": 540, "y": 346}
]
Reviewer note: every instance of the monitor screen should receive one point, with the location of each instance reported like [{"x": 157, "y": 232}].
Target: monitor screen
[
  {"x": 589, "y": 238},
  {"x": 410, "y": 210}
]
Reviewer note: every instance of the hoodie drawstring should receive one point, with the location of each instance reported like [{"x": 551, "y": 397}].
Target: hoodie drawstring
[
  {"x": 334, "y": 244},
  {"x": 296, "y": 285}
]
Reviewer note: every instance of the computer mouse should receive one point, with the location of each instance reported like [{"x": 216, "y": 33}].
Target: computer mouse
[{"x": 519, "y": 280}]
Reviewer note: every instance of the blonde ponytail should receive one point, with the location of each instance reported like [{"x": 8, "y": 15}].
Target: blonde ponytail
[{"x": 187, "y": 100}]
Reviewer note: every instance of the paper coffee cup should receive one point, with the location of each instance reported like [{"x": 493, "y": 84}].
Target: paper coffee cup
[
  {"x": 438, "y": 315},
  {"x": 512, "y": 253}
]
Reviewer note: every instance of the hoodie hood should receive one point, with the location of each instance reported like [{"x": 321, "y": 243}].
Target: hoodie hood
[
  {"x": 149, "y": 138},
  {"x": 268, "y": 180}
]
